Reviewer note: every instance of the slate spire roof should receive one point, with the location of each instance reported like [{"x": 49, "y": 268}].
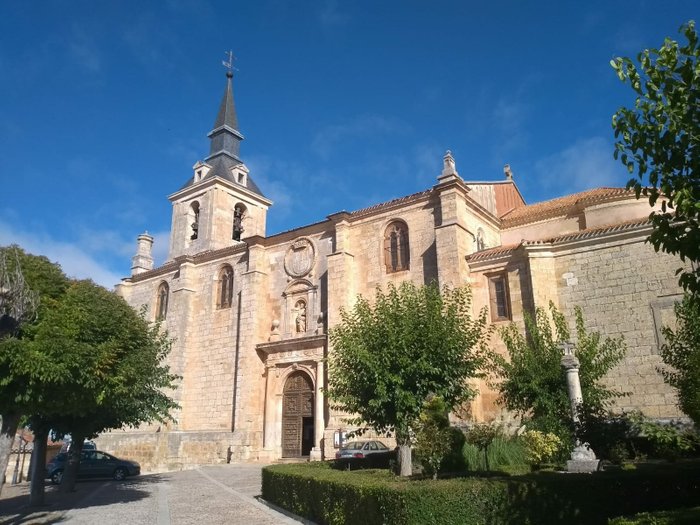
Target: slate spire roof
[
  {"x": 225, "y": 142},
  {"x": 225, "y": 137}
]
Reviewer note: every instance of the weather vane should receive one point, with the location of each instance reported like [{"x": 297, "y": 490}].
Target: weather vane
[{"x": 228, "y": 64}]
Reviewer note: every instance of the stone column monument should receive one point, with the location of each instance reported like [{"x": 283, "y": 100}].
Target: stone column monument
[{"x": 583, "y": 458}]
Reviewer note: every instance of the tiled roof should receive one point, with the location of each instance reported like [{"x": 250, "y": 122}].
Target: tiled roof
[
  {"x": 573, "y": 236},
  {"x": 592, "y": 232},
  {"x": 492, "y": 252},
  {"x": 561, "y": 206},
  {"x": 391, "y": 203}
]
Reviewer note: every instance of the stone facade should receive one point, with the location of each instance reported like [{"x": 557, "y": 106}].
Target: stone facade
[{"x": 250, "y": 313}]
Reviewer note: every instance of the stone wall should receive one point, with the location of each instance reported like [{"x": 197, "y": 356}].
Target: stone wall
[{"x": 618, "y": 285}]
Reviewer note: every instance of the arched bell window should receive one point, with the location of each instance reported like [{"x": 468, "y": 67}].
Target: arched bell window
[
  {"x": 397, "y": 251},
  {"x": 239, "y": 212},
  {"x": 194, "y": 220}
]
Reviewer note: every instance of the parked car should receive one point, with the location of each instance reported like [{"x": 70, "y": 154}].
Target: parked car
[
  {"x": 93, "y": 464},
  {"x": 364, "y": 454},
  {"x": 87, "y": 445}
]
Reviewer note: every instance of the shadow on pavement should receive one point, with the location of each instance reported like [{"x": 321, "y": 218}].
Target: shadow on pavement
[{"x": 15, "y": 509}]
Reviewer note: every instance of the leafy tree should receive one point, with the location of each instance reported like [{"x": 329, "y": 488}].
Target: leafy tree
[
  {"x": 88, "y": 363},
  {"x": 112, "y": 364},
  {"x": 659, "y": 139},
  {"x": 531, "y": 381},
  {"x": 388, "y": 358},
  {"x": 682, "y": 353},
  {"x": 434, "y": 436},
  {"x": 31, "y": 287}
]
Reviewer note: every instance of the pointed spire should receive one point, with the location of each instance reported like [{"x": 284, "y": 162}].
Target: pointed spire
[
  {"x": 227, "y": 110},
  {"x": 225, "y": 137}
]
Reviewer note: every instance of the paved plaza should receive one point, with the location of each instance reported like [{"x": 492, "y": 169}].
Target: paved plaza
[{"x": 213, "y": 495}]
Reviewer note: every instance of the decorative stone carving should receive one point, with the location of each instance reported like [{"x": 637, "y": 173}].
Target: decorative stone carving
[
  {"x": 275, "y": 332},
  {"x": 300, "y": 257}
]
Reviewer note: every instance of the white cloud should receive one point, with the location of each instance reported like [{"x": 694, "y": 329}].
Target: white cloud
[
  {"x": 74, "y": 258},
  {"x": 587, "y": 163}
]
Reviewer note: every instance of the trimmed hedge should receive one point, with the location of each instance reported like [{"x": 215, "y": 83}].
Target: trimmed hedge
[
  {"x": 327, "y": 496},
  {"x": 664, "y": 517}
]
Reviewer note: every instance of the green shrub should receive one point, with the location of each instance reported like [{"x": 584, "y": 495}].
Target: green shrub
[
  {"x": 671, "y": 517},
  {"x": 540, "y": 447},
  {"x": 504, "y": 455},
  {"x": 370, "y": 497}
]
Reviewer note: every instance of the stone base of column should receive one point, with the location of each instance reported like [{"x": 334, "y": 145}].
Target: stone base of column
[
  {"x": 583, "y": 459},
  {"x": 315, "y": 454}
]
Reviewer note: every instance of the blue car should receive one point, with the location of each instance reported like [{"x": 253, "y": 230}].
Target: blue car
[{"x": 93, "y": 464}]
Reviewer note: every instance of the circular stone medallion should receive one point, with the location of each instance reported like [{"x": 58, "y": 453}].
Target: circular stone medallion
[{"x": 300, "y": 258}]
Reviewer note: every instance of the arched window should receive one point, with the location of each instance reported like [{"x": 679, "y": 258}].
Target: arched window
[
  {"x": 162, "y": 301},
  {"x": 396, "y": 247},
  {"x": 238, "y": 216},
  {"x": 194, "y": 217},
  {"x": 225, "y": 295}
]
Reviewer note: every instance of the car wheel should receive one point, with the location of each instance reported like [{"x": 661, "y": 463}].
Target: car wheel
[
  {"x": 57, "y": 477},
  {"x": 119, "y": 474}
]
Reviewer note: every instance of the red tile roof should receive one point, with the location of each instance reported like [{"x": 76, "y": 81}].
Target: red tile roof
[{"x": 562, "y": 205}]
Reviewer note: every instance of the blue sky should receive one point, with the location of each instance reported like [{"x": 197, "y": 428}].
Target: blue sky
[{"x": 105, "y": 106}]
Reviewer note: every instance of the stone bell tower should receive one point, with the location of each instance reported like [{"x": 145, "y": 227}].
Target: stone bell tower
[{"x": 220, "y": 205}]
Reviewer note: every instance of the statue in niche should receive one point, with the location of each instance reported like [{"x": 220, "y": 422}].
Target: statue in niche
[{"x": 300, "y": 317}]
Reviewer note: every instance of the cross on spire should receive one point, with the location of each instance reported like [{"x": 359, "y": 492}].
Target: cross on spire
[{"x": 228, "y": 64}]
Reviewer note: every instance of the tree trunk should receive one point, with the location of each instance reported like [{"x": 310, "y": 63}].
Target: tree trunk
[
  {"x": 405, "y": 462},
  {"x": 73, "y": 463},
  {"x": 36, "y": 497},
  {"x": 8, "y": 429}
]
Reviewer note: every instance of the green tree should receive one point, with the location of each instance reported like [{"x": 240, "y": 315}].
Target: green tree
[
  {"x": 434, "y": 436},
  {"x": 31, "y": 286},
  {"x": 388, "y": 358},
  {"x": 531, "y": 381},
  {"x": 658, "y": 140},
  {"x": 682, "y": 353},
  {"x": 112, "y": 367}
]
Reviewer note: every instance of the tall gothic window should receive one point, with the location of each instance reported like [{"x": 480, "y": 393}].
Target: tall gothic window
[
  {"x": 499, "y": 297},
  {"x": 225, "y": 295},
  {"x": 396, "y": 247},
  {"x": 162, "y": 301},
  {"x": 238, "y": 216}
]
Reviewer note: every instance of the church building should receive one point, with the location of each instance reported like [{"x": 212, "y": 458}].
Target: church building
[{"x": 250, "y": 313}]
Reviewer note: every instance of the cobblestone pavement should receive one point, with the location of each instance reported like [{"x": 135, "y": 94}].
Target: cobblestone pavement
[{"x": 209, "y": 495}]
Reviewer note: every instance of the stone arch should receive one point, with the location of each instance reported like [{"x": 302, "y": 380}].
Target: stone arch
[
  {"x": 397, "y": 247},
  {"x": 297, "y": 414}
]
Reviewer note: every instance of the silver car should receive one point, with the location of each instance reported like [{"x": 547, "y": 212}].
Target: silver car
[{"x": 364, "y": 454}]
